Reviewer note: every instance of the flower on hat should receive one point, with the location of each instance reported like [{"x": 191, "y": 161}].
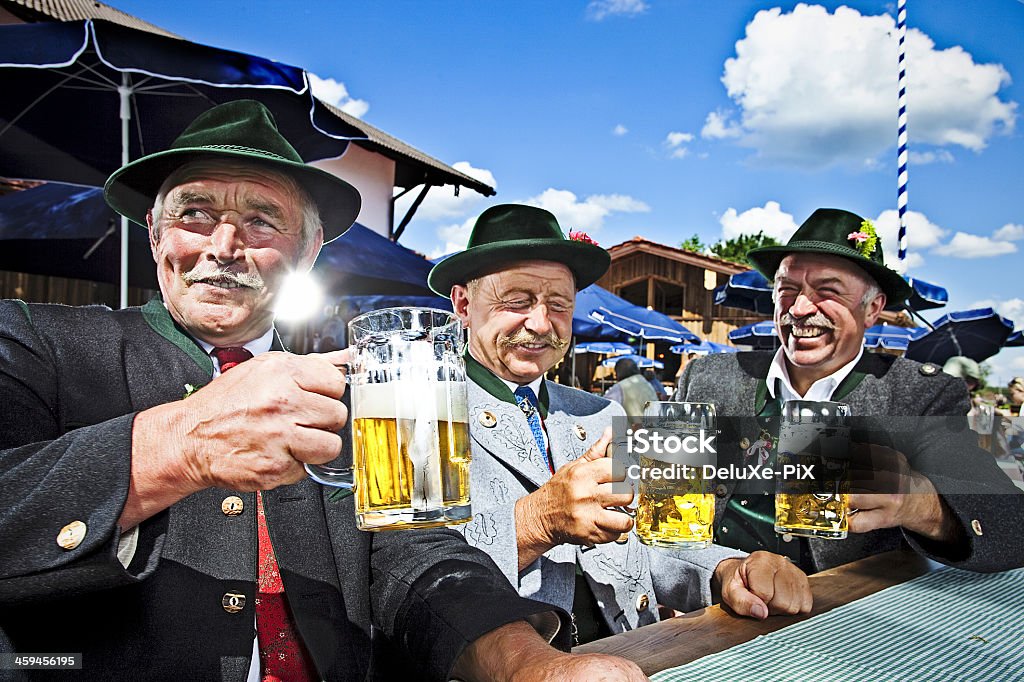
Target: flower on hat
[
  {"x": 581, "y": 236},
  {"x": 865, "y": 240}
]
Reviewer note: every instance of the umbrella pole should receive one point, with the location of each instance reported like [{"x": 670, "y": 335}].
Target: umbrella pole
[{"x": 124, "y": 93}]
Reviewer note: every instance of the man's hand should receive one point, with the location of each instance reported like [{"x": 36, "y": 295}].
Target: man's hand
[
  {"x": 762, "y": 584},
  {"x": 251, "y": 428},
  {"x": 887, "y": 493},
  {"x": 573, "y": 506},
  {"x": 516, "y": 653}
]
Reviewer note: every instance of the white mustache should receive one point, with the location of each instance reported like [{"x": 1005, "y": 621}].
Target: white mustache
[{"x": 222, "y": 277}]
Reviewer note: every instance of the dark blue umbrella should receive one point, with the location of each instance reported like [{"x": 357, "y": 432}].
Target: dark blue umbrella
[
  {"x": 889, "y": 336},
  {"x": 703, "y": 347},
  {"x": 585, "y": 327},
  {"x": 977, "y": 334},
  {"x": 759, "y": 336},
  {"x": 362, "y": 262},
  {"x": 1015, "y": 339},
  {"x": 609, "y": 312},
  {"x": 82, "y": 98},
  {"x": 749, "y": 290}
]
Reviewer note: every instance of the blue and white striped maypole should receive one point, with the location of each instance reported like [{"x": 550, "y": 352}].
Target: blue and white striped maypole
[{"x": 901, "y": 141}]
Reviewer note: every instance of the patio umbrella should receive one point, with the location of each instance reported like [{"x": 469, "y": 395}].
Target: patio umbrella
[
  {"x": 603, "y": 347},
  {"x": 759, "y": 336},
  {"x": 83, "y": 98},
  {"x": 749, "y": 290},
  {"x": 602, "y": 314},
  {"x": 703, "y": 348},
  {"x": 1015, "y": 340},
  {"x": 641, "y": 361},
  {"x": 889, "y": 336},
  {"x": 977, "y": 334},
  {"x": 362, "y": 262}
]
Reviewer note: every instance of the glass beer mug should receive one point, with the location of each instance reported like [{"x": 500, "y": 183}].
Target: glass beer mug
[
  {"x": 812, "y": 487},
  {"x": 410, "y": 422},
  {"x": 676, "y": 506}
]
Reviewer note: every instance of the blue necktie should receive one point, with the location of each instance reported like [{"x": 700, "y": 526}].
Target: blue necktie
[{"x": 527, "y": 401}]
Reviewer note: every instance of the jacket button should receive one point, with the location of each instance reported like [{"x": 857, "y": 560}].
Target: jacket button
[
  {"x": 976, "y": 527},
  {"x": 232, "y": 505},
  {"x": 721, "y": 490},
  {"x": 487, "y": 420},
  {"x": 744, "y": 443},
  {"x": 787, "y": 537},
  {"x": 580, "y": 432},
  {"x": 233, "y": 602},
  {"x": 642, "y": 602},
  {"x": 71, "y": 535}
]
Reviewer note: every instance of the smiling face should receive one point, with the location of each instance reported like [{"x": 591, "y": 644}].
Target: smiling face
[
  {"x": 823, "y": 304},
  {"x": 224, "y": 236},
  {"x": 519, "y": 319}
]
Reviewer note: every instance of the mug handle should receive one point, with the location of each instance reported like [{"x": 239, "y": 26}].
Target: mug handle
[{"x": 331, "y": 476}]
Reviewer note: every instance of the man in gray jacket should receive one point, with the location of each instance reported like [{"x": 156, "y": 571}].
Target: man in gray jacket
[
  {"x": 164, "y": 532},
  {"x": 932, "y": 488},
  {"x": 542, "y": 495}
]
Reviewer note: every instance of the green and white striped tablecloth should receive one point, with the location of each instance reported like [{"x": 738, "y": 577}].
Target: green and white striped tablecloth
[{"x": 946, "y": 625}]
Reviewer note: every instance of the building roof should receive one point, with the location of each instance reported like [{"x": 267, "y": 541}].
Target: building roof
[
  {"x": 412, "y": 167},
  {"x": 641, "y": 245}
]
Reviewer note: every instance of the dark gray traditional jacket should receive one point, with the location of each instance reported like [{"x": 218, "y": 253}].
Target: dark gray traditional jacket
[
  {"x": 988, "y": 507},
  {"x": 71, "y": 381}
]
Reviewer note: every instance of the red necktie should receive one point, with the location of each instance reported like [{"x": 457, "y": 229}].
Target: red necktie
[{"x": 282, "y": 656}]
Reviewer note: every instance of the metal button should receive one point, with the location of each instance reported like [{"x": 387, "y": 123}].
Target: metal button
[
  {"x": 787, "y": 537},
  {"x": 724, "y": 529},
  {"x": 232, "y": 505},
  {"x": 233, "y": 602},
  {"x": 929, "y": 369},
  {"x": 71, "y": 535},
  {"x": 976, "y": 527},
  {"x": 743, "y": 503},
  {"x": 642, "y": 602},
  {"x": 487, "y": 420},
  {"x": 721, "y": 490},
  {"x": 744, "y": 443},
  {"x": 580, "y": 432}
]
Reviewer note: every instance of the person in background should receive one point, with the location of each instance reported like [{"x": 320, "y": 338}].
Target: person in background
[
  {"x": 655, "y": 382},
  {"x": 631, "y": 389}
]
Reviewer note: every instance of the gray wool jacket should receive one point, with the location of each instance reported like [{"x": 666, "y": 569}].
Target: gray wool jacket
[{"x": 987, "y": 506}]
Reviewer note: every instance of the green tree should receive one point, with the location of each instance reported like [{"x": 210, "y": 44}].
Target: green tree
[
  {"x": 736, "y": 249},
  {"x": 694, "y": 244}
]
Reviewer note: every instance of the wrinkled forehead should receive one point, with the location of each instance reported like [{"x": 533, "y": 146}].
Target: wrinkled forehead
[
  {"x": 811, "y": 267},
  {"x": 256, "y": 179},
  {"x": 539, "y": 277}
]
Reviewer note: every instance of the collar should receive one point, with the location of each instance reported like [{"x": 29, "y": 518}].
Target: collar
[
  {"x": 822, "y": 389},
  {"x": 256, "y": 347},
  {"x": 504, "y": 390}
]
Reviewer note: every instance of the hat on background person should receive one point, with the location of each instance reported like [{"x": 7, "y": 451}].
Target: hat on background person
[
  {"x": 514, "y": 232},
  {"x": 834, "y": 232},
  {"x": 242, "y": 130},
  {"x": 963, "y": 367}
]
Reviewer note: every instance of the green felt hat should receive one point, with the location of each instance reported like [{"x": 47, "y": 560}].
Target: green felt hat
[
  {"x": 513, "y": 232},
  {"x": 242, "y": 130},
  {"x": 834, "y": 232}
]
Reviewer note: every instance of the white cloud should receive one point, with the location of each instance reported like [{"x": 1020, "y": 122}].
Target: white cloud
[
  {"x": 923, "y": 158},
  {"x": 815, "y": 88},
  {"x": 675, "y": 141},
  {"x": 441, "y": 202},
  {"x": 619, "y": 130},
  {"x": 334, "y": 92},
  {"x": 922, "y": 233},
  {"x": 600, "y": 9},
  {"x": 1009, "y": 232},
  {"x": 1011, "y": 309},
  {"x": 454, "y": 236},
  {"x": 587, "y": 215},
  {"x": 965, "y": 245},
  {"x": 769, "y": 219},
  {"x": 717, "y": 126}
]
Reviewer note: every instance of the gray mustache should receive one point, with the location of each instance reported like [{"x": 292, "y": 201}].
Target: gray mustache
[
  {"x": 523, "y": 336},
  {"x": 815, "y": 320},
  {"x": 214, "y": 275}
]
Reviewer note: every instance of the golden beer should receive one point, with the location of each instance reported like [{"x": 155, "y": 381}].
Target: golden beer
[
  {"x": 817, "y": 515},
  {"x": 674, "y": 512},
  {"x": 411, "y": 471}
]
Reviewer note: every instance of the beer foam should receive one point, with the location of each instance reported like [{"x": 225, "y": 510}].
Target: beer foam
[{"x": 401, "y": 400}]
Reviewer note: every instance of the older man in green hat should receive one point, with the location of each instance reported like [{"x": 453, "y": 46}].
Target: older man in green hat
[
  {"x": 161, "y": 531},
  {"x": 830, "y": 284},
  {"x": 543, "y": 503}
]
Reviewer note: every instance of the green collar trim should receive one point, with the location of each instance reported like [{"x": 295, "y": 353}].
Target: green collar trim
[
  {"x": 845, "y": 388},
  {"x": 160, "y": 320},
  {"x": 488, "y": 381}
]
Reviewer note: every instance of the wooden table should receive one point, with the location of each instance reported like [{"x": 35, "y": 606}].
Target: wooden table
[{"x": 696, "y": 634}]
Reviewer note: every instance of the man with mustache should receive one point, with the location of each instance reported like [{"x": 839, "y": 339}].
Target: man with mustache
[
  {"x": 542, "y": 487},
  {"x": 830, "y": 284},
  {"x": 164, "y": 532}
]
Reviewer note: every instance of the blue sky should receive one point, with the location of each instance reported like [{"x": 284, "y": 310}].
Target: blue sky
[{"x": 665, "y": 119}]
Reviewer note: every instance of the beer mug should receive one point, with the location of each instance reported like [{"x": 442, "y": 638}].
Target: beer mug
[
  {"x": 410, "y": 422},
  {"x": 812, "y": 484},
  {"x": 676, "y": 505}
]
